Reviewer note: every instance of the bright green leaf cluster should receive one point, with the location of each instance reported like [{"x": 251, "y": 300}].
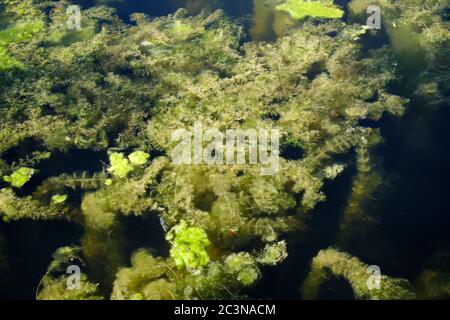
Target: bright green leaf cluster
[
  {"x": 138, "y": 158},
  {"x": 120, "y": 166},
  {"x": 19, "y": 177},
  {"x": 188, "y": 246}
]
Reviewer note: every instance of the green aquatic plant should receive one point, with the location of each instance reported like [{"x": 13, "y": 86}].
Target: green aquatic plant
[
  {"x": 340, "y": 264},
  {"x": 277, "y": 17},
  {"x": 30, "y": 160},
  {"x": 16, "y": 208},
  {"x": 148, "y": 277},
  {"x": 419, "y": 32},
  {"x": 433, "y": 285},
  {"x": 242, "y": 264},
  {"x": 299, "y": 9},
  {"x": 103, "y": 250},
  {"x": 119, "y": 165},
  {"x": 367, "y": 181},
  {"x": 75, "y": 181},
  {"x": 20, "y": 32},
  {"x": 19, "y": 177},
  {"x": 262, "y": 203},
  {"x": 102, "y": 207},
  {"x": 264, "y": 15},
  {"x": 59, "y": 199},
  {"x": 6, "y": 61},
  {"x": 138, "y": 158},
  {"x": 196, "y": 6},
  {"x": 56, "y": 289},
  {"x": 19, "y": 8},
  {"x": 189, "y": 246}
]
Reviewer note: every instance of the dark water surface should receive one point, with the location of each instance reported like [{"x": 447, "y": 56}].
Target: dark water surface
[{"x": 413, "y": 210}]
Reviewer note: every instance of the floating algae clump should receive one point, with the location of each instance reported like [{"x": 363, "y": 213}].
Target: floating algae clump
[
  {"x": 276, "y": 17},
  {"x": 120, "y": 166},
  {"x": 299, "y": 9},
  {"x": 19, "y": 177},
  {"x": 138, "y": 158},
  {"x": 16, "y": 208}
]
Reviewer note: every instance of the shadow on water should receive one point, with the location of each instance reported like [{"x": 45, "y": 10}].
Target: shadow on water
[
  {"x": 416, "y": 214},
  {"x": 145, "y": 232}
]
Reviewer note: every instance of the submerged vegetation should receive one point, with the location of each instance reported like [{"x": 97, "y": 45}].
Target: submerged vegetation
[
  {"x": 419, "y": 32},
  {"x": 341, "y": 264},
  {"x": 121, "y": 90}
]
